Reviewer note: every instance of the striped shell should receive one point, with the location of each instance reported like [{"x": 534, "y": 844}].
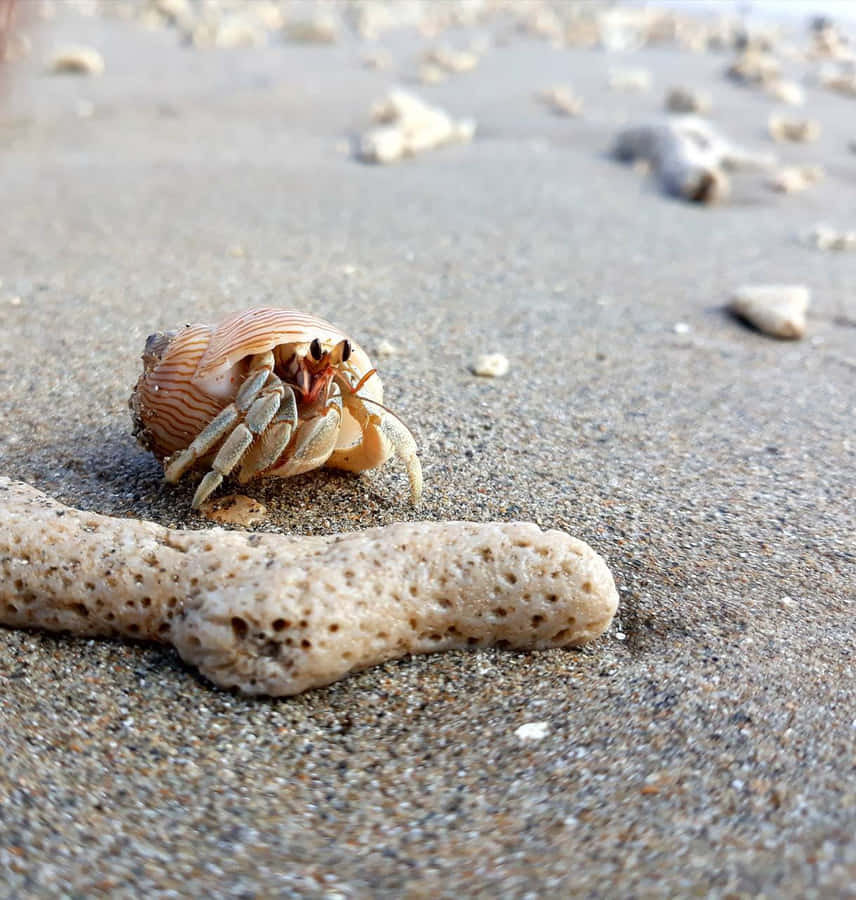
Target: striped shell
[{"x": 192, "y": 373}]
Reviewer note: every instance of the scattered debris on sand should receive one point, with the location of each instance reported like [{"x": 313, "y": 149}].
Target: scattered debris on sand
[
  {"x": 234, "y": 509},
  {"x": 777, "y": 310},
  {"x": 687, "y": 100},
  {"x": 322, "y": 28},
  {"x": 793, "y": 179},
  {"x": 788, "y": 92},
  {"x": 800, "y": 131},
  {"x": 561, "y": 100},
  {"x": 491, "y": 365},
  {"x": 630, "y": 80},
  {"x": 279, "y": 614},
  {"x": 77, "y": 61},
  {"x": 410, "y": 126},
  {"x": 825, "y": 237},
  {"x": 689, "y": 156}
]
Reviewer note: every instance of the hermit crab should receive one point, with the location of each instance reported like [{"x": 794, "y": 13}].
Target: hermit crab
[{"x": 269, "y": 392}]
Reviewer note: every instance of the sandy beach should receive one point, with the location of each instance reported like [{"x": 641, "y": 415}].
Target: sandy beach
[{"x": 705, "y": 745}]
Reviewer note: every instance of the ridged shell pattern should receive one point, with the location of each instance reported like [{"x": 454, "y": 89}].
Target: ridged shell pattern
[{"x": 193, "y": 373}]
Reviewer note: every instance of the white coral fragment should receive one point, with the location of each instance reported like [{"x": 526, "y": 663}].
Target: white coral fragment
[
  {"x": 777, "y": 310},
  {"x": 410, "y": 126},
  {"x": 688, "y": 156},
  {"x": 279, "y": 614}
]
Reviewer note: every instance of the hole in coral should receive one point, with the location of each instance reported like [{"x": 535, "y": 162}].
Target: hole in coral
[
  {"x": 413, "y": 590},
  {"x": 472, "y": 641},
  {"x": 561, "y": 635},
  {"x": 552, "y": 598},
  {"x": 536, "y": 621},
  {"x": 134, "y": 629},
  {"x": 382, "y": 636},
  {"x": 305, "y": 644},
  {"x": 89, "y": 586},
  {"x": 239, "y": 627},
  {"x": 586, "y": 587},
  {"x": 511, "y": 578},
  {"x": 11, "y": 608},
  {"x": 280, "y": 624},
  {"x": 333, "y": 628},
  {"x": 500, "y": 611},
  {"x": 486, "y": 554},
  {"x": 444, "y": 603},
  {"x": 163, "y": 628},
  {"x": 146, "y": 602},
  {"x": 502, "y": 644},
  {"x": 80, "y": 609}
]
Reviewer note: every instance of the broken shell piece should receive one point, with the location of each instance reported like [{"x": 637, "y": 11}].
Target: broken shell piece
[
  {"x": 234, "y": 509},
  {"x": 688, "y": 156},
  {"x": 796, "y": 130},
  {"x": 561, "y": 100},
  {"x": 777, "y": 310},
  {"x": 77, "y": 61},
  {"x": 687, "y": 100},
  {"x": 491, "y": 365},
  {"x": 754, "y": 67},
  {"x": 450, "y": 60},
  {"x": 629, "y": 80},
  {"x": 792, "y": 179},
  {"x": 786, "y": 92},
  {"x": 413, "y": 127},
  {"x": 321, "y": 29},
  {"x": 278, "y": 614},
  {"x": 824, "y": 237}
]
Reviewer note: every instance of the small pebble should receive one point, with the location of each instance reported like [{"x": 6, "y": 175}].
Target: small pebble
[
  {"x": 561, "y": 100},
  {"x": 14, "y": 301},
  {"x": 777, "y": 310},
  {"x": 452, "y": 61},
  {"x": 532, "y": 731},
  {"x": 792, "y": 179},
  {"x": 386, "y": 348},
  {"x": 321, "y": 29},
  {"x": 687, "y": 100},
  {"x": 77, "y": 61},
  {"x": 800, "y": 131},
  {"x": 630, "y": 80},
  {"x": 234, "y": 509},
  {"x": 682, "y": 328},
  {"x": 786, "y": 92},
  {"x": 824, "y": 237},
  {"x": 491, "y": 365}
]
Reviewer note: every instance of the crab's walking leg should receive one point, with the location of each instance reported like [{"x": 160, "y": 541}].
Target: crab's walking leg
[
  {"x": 260, "y": 370},
  {"x": 271, "y": 445},
  {"x": 315, "y": 440},
  {"x": 383, "y": 435}
]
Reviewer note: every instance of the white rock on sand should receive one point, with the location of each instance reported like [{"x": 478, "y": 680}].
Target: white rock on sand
[{"x": 777, "y": 310}]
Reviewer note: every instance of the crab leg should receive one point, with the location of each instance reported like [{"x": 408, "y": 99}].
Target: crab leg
[
  {"x": 236, "y": 445},
  {"x": 273, "y": 441},
  {"x": 314, "y": 441},
  {"x": 383, "y": 435},
  {"x": 260, "y": 370}
]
